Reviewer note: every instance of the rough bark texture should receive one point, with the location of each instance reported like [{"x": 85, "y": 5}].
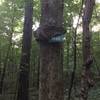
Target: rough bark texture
[
  {"x": 23, "y": 85},
  {"x": 52, "y": 13},
  {"x": 87, "y": 82},
  {"x": 51, "y": 55},
  {"x": 51, "y": 71}
]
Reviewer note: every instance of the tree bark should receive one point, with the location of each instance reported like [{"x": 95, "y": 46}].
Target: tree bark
[
  {"x": 51, "y": 54},
  {"x": 51, "y": 71},
  {"x": 86, "y": 81},
  {"x": 23, "y": 85}
]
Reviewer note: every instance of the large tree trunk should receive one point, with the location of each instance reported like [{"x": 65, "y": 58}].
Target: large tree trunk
[
  {"x": 51, "y": 70},
  {"x": 23, "y": 85},
  {"x": 51, "y": 54},
  {"x": 87, "y": 82}
]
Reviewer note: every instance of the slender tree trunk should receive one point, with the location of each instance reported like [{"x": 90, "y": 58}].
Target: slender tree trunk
[
  {"x": 68, "y": 53},
  {"x": 74, "y": 54},
  {"x": 86, "y": 81},
  {"x": 23, "y": 86},
  {"x": 51, "y": 54},
  {"x": 38, "y": 72}
]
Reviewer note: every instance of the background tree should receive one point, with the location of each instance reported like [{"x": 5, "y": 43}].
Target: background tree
[
  {"x": 23, "y": 85},
  {"x": 87, "y": 82}
]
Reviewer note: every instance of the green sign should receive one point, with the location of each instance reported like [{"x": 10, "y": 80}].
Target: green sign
[{"x": 57, "y": 39}]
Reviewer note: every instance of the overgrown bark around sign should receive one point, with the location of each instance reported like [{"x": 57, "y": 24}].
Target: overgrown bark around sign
[
  {"x": 51, "y": 54},
  {"x": 86, "y": 81},
  {"x": 23, "y": 84}
]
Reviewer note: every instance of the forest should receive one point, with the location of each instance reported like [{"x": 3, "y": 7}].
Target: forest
[{"x": 49, "y": 49}]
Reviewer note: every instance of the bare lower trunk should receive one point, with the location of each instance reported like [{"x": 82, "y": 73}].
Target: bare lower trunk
[
  {"x": 86, "y": 81},
  {"x": 51, "y": 71}
]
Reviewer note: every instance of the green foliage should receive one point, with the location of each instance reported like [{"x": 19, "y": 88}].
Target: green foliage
[{"x": 10, "y": 9}]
